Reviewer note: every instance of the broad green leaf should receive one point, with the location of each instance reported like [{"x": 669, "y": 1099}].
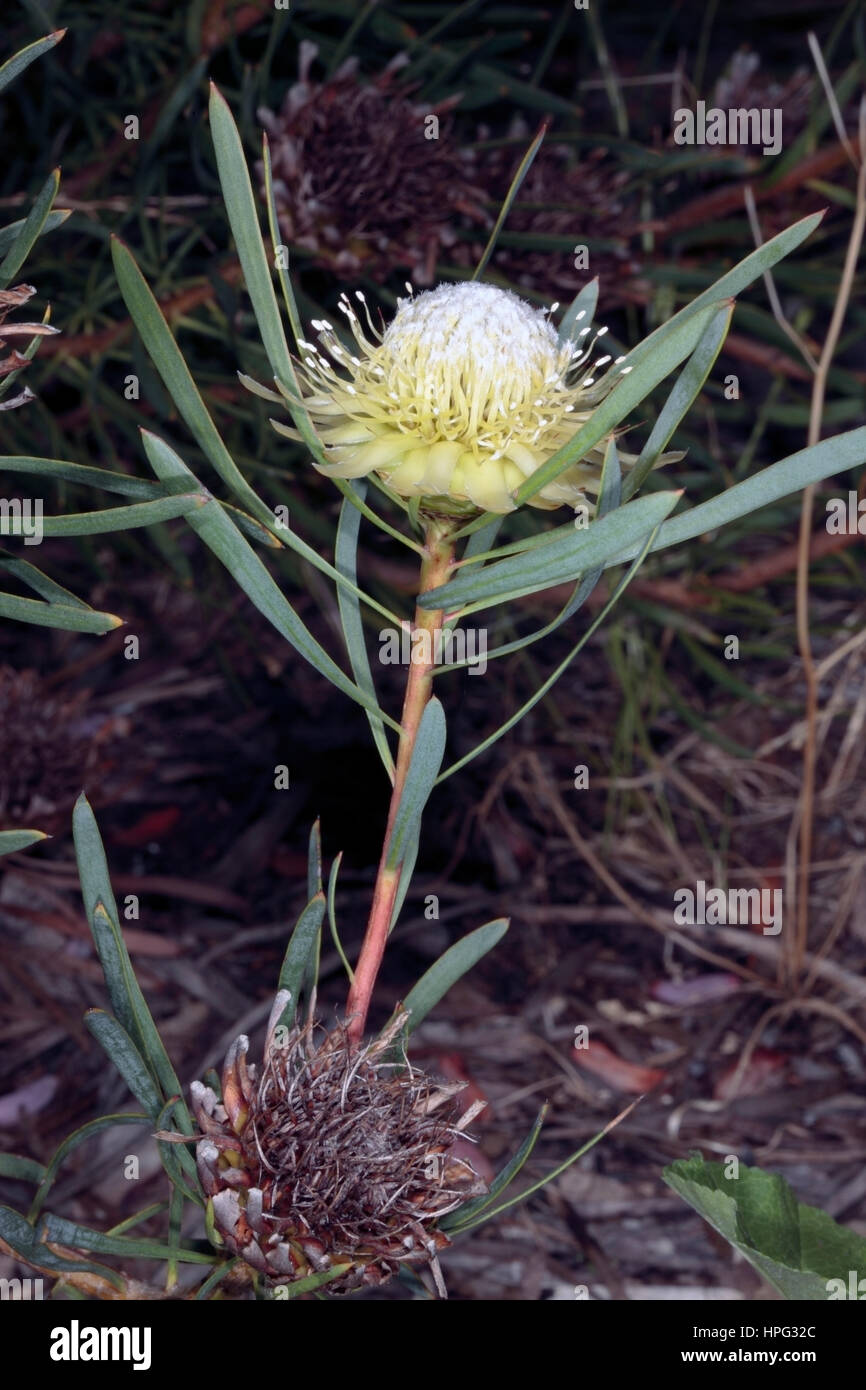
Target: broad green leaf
[
  {"x": 222, "y": 537},
  {"x": 301, "y": 944},
  {"x": 21, "y": 60},
  {"x": 450, "y": 967},
  {"x": 350, "y": 616},
  {"x": 424, "y": 767},
  {"x": 568, "y": 553},
  {"x": 13, "y": 840},
  {"x": 801, "y": 1250},
  {"x": 70, "y": 1143},
  {"x": 28, "y": 1245},
  {"x": 476, "y": 1205},
  {"x": 30, "y": 230}
]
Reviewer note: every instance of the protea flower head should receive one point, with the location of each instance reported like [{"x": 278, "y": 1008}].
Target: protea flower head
[
  {"x": 334, "y": 1158},
  {"x": 465, "y": 394}
]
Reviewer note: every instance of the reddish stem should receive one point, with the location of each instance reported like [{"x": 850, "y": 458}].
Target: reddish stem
[{"x": 435, "y": 570}]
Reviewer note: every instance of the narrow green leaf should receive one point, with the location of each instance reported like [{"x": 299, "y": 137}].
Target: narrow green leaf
[
  {"x": 314, "y": 860},
  {"x": 168, "y": 360},
  {"x": 41, "y": 584},
  {"x": 111, "y": 519},
  {"x": 308, "y": 1284},
  {"x": 21, "y": 1169},
  {"x": 350, "y": 617},
  {"x": 243, "y": 218},
  {"x": 213, "y": 1279},
  {"x": 27, "y": 1244},
  {"x": 140, "y": 488},
  {"x": 424, "y": 767},
  {"x": 780, "y": 480},
  {"x": 124, "y": 991},
  {"x": 118, "y": 1045},
  {"x": 732, "y": 283},
  {"x": 21, "y": 60},
  {"x": 301, "y": 944},
  {"x": 685, "y": 390},
  {"x": 70, "y": 1143},
  {"x": 450, "y": 967},
  {"x": 570, "y": 552},
  {"x": 455, "y": 1219},
  {"x": 9, "y": 233},
  {"x": 58, "y": 1229},
  {"x": 678, "y": 337},
  {"x": 580, "y": 313},
  {"x": 31, "y": 229},
  {"x": 13, "y": 840},
  {"x": 522, "y": 170},
  {"x": 59, "y": 615},
  {"x": 222, "y": 537}
]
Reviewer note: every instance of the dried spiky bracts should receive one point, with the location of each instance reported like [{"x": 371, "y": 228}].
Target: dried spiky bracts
[{"x": 333, "y": 1158}]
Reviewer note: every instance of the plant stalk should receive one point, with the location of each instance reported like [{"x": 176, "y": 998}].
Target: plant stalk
[{"x": 436, "y": 565}]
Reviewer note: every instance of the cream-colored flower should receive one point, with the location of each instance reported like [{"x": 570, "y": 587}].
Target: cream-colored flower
[{"x": 465, "y": 395}]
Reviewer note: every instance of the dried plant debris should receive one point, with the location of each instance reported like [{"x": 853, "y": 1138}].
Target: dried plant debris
[
  {"x": 334, "y": 1158},
  {"x": 363, "y": 178},
  {"x": 11, "y": 360}
]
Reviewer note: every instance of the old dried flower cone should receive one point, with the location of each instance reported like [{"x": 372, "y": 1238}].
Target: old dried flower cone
[
  {"x": 334, "y": 1158},
  {"x": 363, "y": 178}
]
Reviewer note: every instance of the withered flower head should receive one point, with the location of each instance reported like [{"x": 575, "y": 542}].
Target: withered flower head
[
  {"x": 358, "y": 181},
  {"x": 336, "y": 1157},
  {"x": 11, "y": 360},
  {"x": 49, "y": 748},
  {"x": 582, "y": 195}
]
